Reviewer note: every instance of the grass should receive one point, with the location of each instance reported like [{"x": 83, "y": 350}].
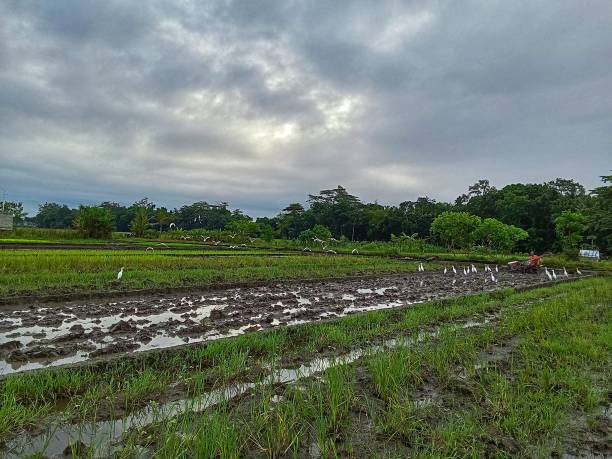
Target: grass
[
  {"x": 519, "y": 405},
  {"x": 65, "y": 271},
  {"x": 415, "y": 249}
]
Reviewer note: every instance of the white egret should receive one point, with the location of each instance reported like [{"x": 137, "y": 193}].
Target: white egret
[
  {"x": 493, "y": 278},
  {"x": 474, "y": 270},
  {"x": 172, "y": 225},
  {"x": 565, "y": 272},
  {"x": 148, "y": 248},
  {"x": 355, "y": 252},
  {"x": 120, "y": 274},
  {"x": 496, "y": 269},
  {"x": 454, "y": 270},
  {"x": 554, "y": 274},
  {"x": 331, "y": 251},
  {"x": 578, "y": 271},
  {"x": 548, "y": 274},
  {"x": 306, "y": 249},
  {"x": 445, "y": 270}
]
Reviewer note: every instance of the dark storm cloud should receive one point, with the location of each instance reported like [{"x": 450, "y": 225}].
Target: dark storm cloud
[{"x": 260, "y": 102}]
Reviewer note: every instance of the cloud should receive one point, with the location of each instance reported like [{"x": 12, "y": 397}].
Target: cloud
[{"x": 260, "y": 103}]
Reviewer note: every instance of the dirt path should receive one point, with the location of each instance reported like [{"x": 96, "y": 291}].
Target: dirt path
[{"x": 37, "y": 336}]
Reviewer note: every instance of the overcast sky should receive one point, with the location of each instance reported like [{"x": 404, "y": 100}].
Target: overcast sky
[{"x": 260, "y": 103}]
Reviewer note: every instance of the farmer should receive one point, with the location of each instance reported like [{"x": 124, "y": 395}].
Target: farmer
[{"x": 534, "y": 260}]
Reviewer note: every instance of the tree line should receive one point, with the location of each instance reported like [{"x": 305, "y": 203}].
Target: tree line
[{"x": 550, "y": 216}]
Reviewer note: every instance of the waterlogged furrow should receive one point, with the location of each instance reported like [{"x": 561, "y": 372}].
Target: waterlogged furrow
[
  {"x": 103, "y": 438},
  {"x": 63, "y": 334}
]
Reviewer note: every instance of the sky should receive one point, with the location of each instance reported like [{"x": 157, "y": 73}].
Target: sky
[{"x": 259, "y": 103}]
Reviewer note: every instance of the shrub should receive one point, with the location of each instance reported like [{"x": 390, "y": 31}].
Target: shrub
[{"x": 93, "y": 222}]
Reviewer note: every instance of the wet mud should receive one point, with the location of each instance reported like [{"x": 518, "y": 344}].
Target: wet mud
[{"x": 42, "y": 335}]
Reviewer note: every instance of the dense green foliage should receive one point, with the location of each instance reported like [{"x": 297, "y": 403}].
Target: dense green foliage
[
  {"x": 455, "y": 229},
  {"x": 532, "y": 208},
  {"x": 93, "y": 222},
  {"x": 140, "y": 222},
  {"x": 570, "y": 227}
]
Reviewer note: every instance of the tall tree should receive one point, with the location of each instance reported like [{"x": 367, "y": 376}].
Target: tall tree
[
  {"x": 599, "y": 216},
  {"x": 53, "y": 215}
]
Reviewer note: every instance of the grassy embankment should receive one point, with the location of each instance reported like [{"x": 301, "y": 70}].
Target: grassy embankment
[{"x": 516, "y": 386}]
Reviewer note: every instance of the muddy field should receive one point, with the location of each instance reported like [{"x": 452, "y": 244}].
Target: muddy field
[{"x": 36, "y": 336}]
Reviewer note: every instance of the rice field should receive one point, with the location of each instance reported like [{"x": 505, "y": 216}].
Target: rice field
[
  {"x": 44, "y": 272},
  {"x": 501, "y": 374}
]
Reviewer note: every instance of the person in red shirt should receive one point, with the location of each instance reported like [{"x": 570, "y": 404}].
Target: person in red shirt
[{"x": 534, "y": 260}]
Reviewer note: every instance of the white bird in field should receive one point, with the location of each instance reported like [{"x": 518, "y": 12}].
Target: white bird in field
[
  {"x": 445, "y": 270},
  {"x": 217, "y": 242},
  {"x": 465, "y": 271},
  {"x": 232, "y": 236},
  {"x": 148, "y": 248},
  {"x": 316, "y": 239},
  {"x": 547, "y": 274},
  {"x": 330, "y": 251},
  {"x": 205, "y": 238},
  {"x": 243, "y": 245},
  {"x": 454, "y": 281},
  {"x": 565, "y": 272},
  {"x": 172, "y": 225},
  {"x": 454, "y": 270},
  {"x": 493, "y": 278},
  {"x": 496, "y": 269},
  {"x": 333, "y": 239},
  {"x": 163, "y": 243},
  {"x": 120, "y": 274},
  {"x": 306, "y": 249},
  {"x": 355, "y": 252},
  {"x": 578, "y": 271},
  {"x": 487, "y": 269},
  {"x": 554, "y": 274},
  {"x": 474, "y": 270}
]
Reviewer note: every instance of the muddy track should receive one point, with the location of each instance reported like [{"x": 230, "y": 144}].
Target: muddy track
[{"x": 42, "y": 335}]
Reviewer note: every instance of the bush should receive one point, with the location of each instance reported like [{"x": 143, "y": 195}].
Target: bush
[
  {"x": 570, "y": 227},
  {"x": 139, "y": 224},
  {"x": 456, "y": 229},
  {"x": 498, "y": 236},
  {"x": 93, "y": 222}
]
